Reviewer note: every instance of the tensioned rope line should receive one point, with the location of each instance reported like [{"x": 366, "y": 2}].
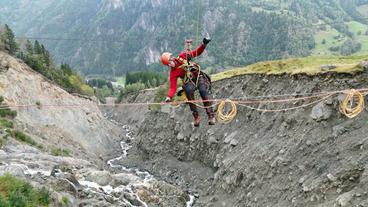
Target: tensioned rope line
[
  {"x": 244, "y": 100},
  {"x": 351, "y": 106}
]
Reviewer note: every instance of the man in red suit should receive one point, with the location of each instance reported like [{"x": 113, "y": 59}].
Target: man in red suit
[{"x": 193, "y": 78}]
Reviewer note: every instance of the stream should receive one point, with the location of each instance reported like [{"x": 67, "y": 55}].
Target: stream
[
  {"x": 20, "y": 160},
  {"x": 146, "y": 176}
]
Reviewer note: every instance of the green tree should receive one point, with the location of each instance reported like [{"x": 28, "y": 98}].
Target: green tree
[
  {"x": 29, "y": 47},
  {"x": 350, "y": 47},
  {"x": 37, "y": 48},
  {"x": 9, "y": 40}
]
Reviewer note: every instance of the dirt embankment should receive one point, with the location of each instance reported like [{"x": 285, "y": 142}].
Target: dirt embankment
[{"x": 262, "y": 159}]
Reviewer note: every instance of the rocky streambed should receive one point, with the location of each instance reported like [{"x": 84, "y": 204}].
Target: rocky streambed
[{"x": 83, "y": 184}]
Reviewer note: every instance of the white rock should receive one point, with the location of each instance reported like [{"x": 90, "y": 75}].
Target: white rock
[
  {"x": 344, "y": 199},
  {"x": 180, "y": 136},
  {"x": 331, "y": 177},
  {"x": 234, "y": 142},
  {"x": 212, "y": 140}
]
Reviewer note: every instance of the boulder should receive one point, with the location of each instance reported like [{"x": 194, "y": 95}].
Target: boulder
[
  {"x": 364, "y": 65},
  {"x": 102, "y": 178},
  {"x": 321, "y": 112},
  {"x": 124, "y": 179},
  {"x": 344, "y": 199},
  {"x": 328, "y": 67}
]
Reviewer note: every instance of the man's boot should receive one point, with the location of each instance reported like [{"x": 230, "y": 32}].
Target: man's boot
[
  {"x": 197, "y": 119},
  {"x": 211, "y": 117},
  {"x": 211, "y": 120}
]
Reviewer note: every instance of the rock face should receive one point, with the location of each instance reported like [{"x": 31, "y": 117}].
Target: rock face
[{"x": 264, "y": 159}]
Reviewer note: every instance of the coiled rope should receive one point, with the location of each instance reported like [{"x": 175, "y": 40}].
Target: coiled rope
[
  {"x": 352, "y": 104},
  {"x": 223, "y": 117}
]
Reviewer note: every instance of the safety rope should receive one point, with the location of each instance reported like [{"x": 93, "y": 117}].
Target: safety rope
[
  {"x": 352, "y": 104},
  {"x": 198, "y": 20}
]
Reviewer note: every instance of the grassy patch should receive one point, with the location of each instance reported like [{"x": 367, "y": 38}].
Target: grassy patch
[
  {"x": 20, "y": 136},
  {"x": 61, "y": 152},
  {"x": 356, "y": 28},
  {"x": 325, "y": 40},
  {"x": 120, "y": 81},
  {"x": 65, "y": 200},
  {"x": 16, "y": 192},
  {"x": 309, "y": 65},
  {"x": 4, "y": 123},
  {"x": 5, "y": 111}
]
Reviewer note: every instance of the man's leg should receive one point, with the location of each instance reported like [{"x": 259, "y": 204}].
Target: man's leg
[
  {"x": 189, "y": 89},
  {"x": 203, "y": 87}
]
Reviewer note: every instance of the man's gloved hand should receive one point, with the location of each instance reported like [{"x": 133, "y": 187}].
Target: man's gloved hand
[
  {"x": 206, "y": 41},
  {"x": 168, "y": 100},
  {"x": 189, "y": 58}
]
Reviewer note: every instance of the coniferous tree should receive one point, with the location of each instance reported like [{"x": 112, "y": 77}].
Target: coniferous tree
[
  {"x": 29, "y": 47},
  {"x": 37, "y": 48},
  {"x": 9, "y": 40}
]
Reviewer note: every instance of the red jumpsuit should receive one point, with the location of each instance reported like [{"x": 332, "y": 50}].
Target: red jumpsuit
[{"x": 190, "y": 87}]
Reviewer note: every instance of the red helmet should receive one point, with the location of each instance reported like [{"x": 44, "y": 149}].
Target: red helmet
[{"x": 165, "y": 58}]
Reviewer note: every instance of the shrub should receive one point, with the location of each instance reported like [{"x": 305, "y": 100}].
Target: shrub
[
  {"x": 16, "y": 192},
  {"x": 334, "y": 48},
  {"x": 65, "y": 200},
  {"x": 6, "y": 124},
  {"x": 20, "y": 136},
  {"x": 5, "y": 112},
  {"x": 349, "y": 47},
  {"x": 61, "y": 152}
]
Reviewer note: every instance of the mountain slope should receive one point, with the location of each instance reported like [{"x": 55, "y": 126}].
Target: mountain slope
[
  {"x": 131, "y": 34},
  {"x": 20, "y": 85}
]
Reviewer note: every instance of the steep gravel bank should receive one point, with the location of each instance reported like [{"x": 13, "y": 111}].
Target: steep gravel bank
[{"x": 312, "y": 156}]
